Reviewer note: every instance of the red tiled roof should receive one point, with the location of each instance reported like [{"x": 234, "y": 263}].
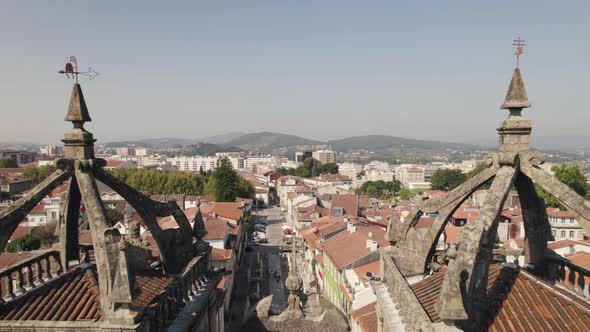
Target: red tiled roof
[
  {"x": 216, "y": 229},
  {"x": 346, "y": 247},
  {"x": 114, "y": 163},
  {"x": 150, "y": 283},
  {"x": 73, "y": 296},
  {"x": 367, "y": 317},
  {"x": 220, "y": 254},
  {"x": 347, "y": 202},
  {"x": 566, "y": 243},
  {"x": 19, "y": 232},
  {"x": 228, "y": 210},
  {"x": 38, "y": 209},
  {"x": 557, "y": 213},
  {"x": 361, "y": 271},
  {"x": 517, "y": 301},
  {"x": 10, "y": 258},
  {"x": 452, "y": 233}
]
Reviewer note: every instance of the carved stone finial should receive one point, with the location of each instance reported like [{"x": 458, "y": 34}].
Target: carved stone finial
[
  {"x": 77, "y": 111},
  {"x": 516, "y": 96}
]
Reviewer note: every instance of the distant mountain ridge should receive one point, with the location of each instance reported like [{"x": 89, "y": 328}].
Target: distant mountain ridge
[{"x": 266, "y": 142}]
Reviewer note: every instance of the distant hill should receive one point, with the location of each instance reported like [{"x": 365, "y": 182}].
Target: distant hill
[
  {"x": 166, "y": 142},
  {"x": 199, "y": 149},
  {"x": 267, "y": 142},
  {"x": 223, "y": 138},
  {"x": 383, "y": 142}
]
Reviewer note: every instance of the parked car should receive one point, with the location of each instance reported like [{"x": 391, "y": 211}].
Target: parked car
[{"x": 260, "y": 228}]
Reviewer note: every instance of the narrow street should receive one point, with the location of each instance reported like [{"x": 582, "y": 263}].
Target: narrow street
[{"x": 256, "y": 277}]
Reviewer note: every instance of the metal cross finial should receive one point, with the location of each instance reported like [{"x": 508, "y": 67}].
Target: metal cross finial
[
  {"x": 72, "y": 69},
  {"x": 519, "y": 43}
]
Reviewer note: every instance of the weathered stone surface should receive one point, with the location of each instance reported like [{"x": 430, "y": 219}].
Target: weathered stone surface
[
  {"x": 69, "y": 214},
  {"x": 467, "y": 273},
  {"x": 516, "y": 96},
  {"x": 416, "y": 246},
  {"x": 175, "y": 245},
  {"x": 77, "y": 110},
  {"x": 112, "y": 268}
]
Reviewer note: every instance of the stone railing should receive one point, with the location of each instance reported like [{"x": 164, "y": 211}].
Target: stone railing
[
  {"x": 569, "y": 275},
  {"x": 411, "y": 311},
  {"x": 185, "y": 287},
  {"x": 28, "y": 274}
]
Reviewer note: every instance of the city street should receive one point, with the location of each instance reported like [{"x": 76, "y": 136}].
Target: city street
[{"x": 262, "y": 272}]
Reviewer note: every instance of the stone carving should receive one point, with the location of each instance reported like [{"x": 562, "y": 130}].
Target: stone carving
[
  {"x": 112, "y": 251},
  {"x": 464, "y": 284}
]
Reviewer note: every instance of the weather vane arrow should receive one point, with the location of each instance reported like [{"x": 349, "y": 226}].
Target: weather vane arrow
[{"x": 72, "y": 69}]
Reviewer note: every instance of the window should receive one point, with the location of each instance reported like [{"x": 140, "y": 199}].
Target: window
[
  {"x": 554, "y": 233},
  {"x": 562, "y": 234},
  {"x": 572, "y": 221},
  {"x": 563, "y": 220},
  {"x": 572, "y": 234}
]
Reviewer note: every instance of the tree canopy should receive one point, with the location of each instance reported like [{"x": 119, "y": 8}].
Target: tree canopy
[
  {"x": 310, "y": 168},
  {"x": 8, "y": 162},
  {"x": 447, "y": 179},
  {"x": 225, "y": 184},
  {"x": 26, "y": 243},
  {"x": 160, "y": 182},
  {"x": 379, "y": 188},
  {"x": 38, "y": 173},
  {"x": 572, "y": 177}
]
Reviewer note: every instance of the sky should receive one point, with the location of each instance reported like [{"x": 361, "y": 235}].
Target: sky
[{"x": 318, "y": 69}]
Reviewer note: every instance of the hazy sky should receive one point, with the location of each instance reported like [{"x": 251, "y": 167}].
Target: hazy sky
[{"x": 319, "y": 69}]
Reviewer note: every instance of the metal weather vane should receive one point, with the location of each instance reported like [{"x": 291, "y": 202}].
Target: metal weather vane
[
  {"x": 519, "y": 43},
  {"x": 72, "y": 69}
]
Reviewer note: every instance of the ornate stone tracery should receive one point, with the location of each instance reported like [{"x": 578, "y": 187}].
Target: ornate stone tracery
[
  {"x": 465, "y": 281},
  {"x": 112, "y": 251}
]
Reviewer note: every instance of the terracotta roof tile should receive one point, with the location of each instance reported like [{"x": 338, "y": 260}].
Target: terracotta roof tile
[
  {"x": 220, "y": 254},
  {"x": 150, "y": 284},
  {"x": 367, "y": 317},
  {"x": 346, "y": 247},
  {"x": 361, "y": 271},
  {"x": 517, "y": 301},
  {"x": 72, "y": 296}
]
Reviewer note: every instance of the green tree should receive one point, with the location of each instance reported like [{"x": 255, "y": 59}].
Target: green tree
[
  {"x": 38, "y": 173},
  {"x": 569, "y": 175},
  {"x": 329, "y": 168},
  {"x": 162, "y": 183},
  {"x": 223, "y": 184},
  {"x": 447, "y": 179},
  {"x": 26, "y": 243},
  {"x": 7, "y": 162},
  {"x": 379, "y": 188},
  {"x": 405, "y": 193}
]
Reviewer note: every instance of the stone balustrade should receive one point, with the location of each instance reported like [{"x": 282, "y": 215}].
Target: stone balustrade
[
  {"x": 185, "y": 287},
  {"x": 28, "y": 274},
  {"x": 402, "y": 295},
  {"x": 569, "y": 275}
]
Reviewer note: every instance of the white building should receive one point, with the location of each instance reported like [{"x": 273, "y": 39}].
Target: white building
[
  {"x": 324, "y": 156},
  {"x": 51, "y": 150}
]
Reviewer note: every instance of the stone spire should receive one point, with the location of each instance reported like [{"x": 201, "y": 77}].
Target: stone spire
[
  {"x": 516, "y": 96},
  {"x": 79, "y": 143},
  {"x": 77, "y": 111},
  {"x": 515, "y": 130}
]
